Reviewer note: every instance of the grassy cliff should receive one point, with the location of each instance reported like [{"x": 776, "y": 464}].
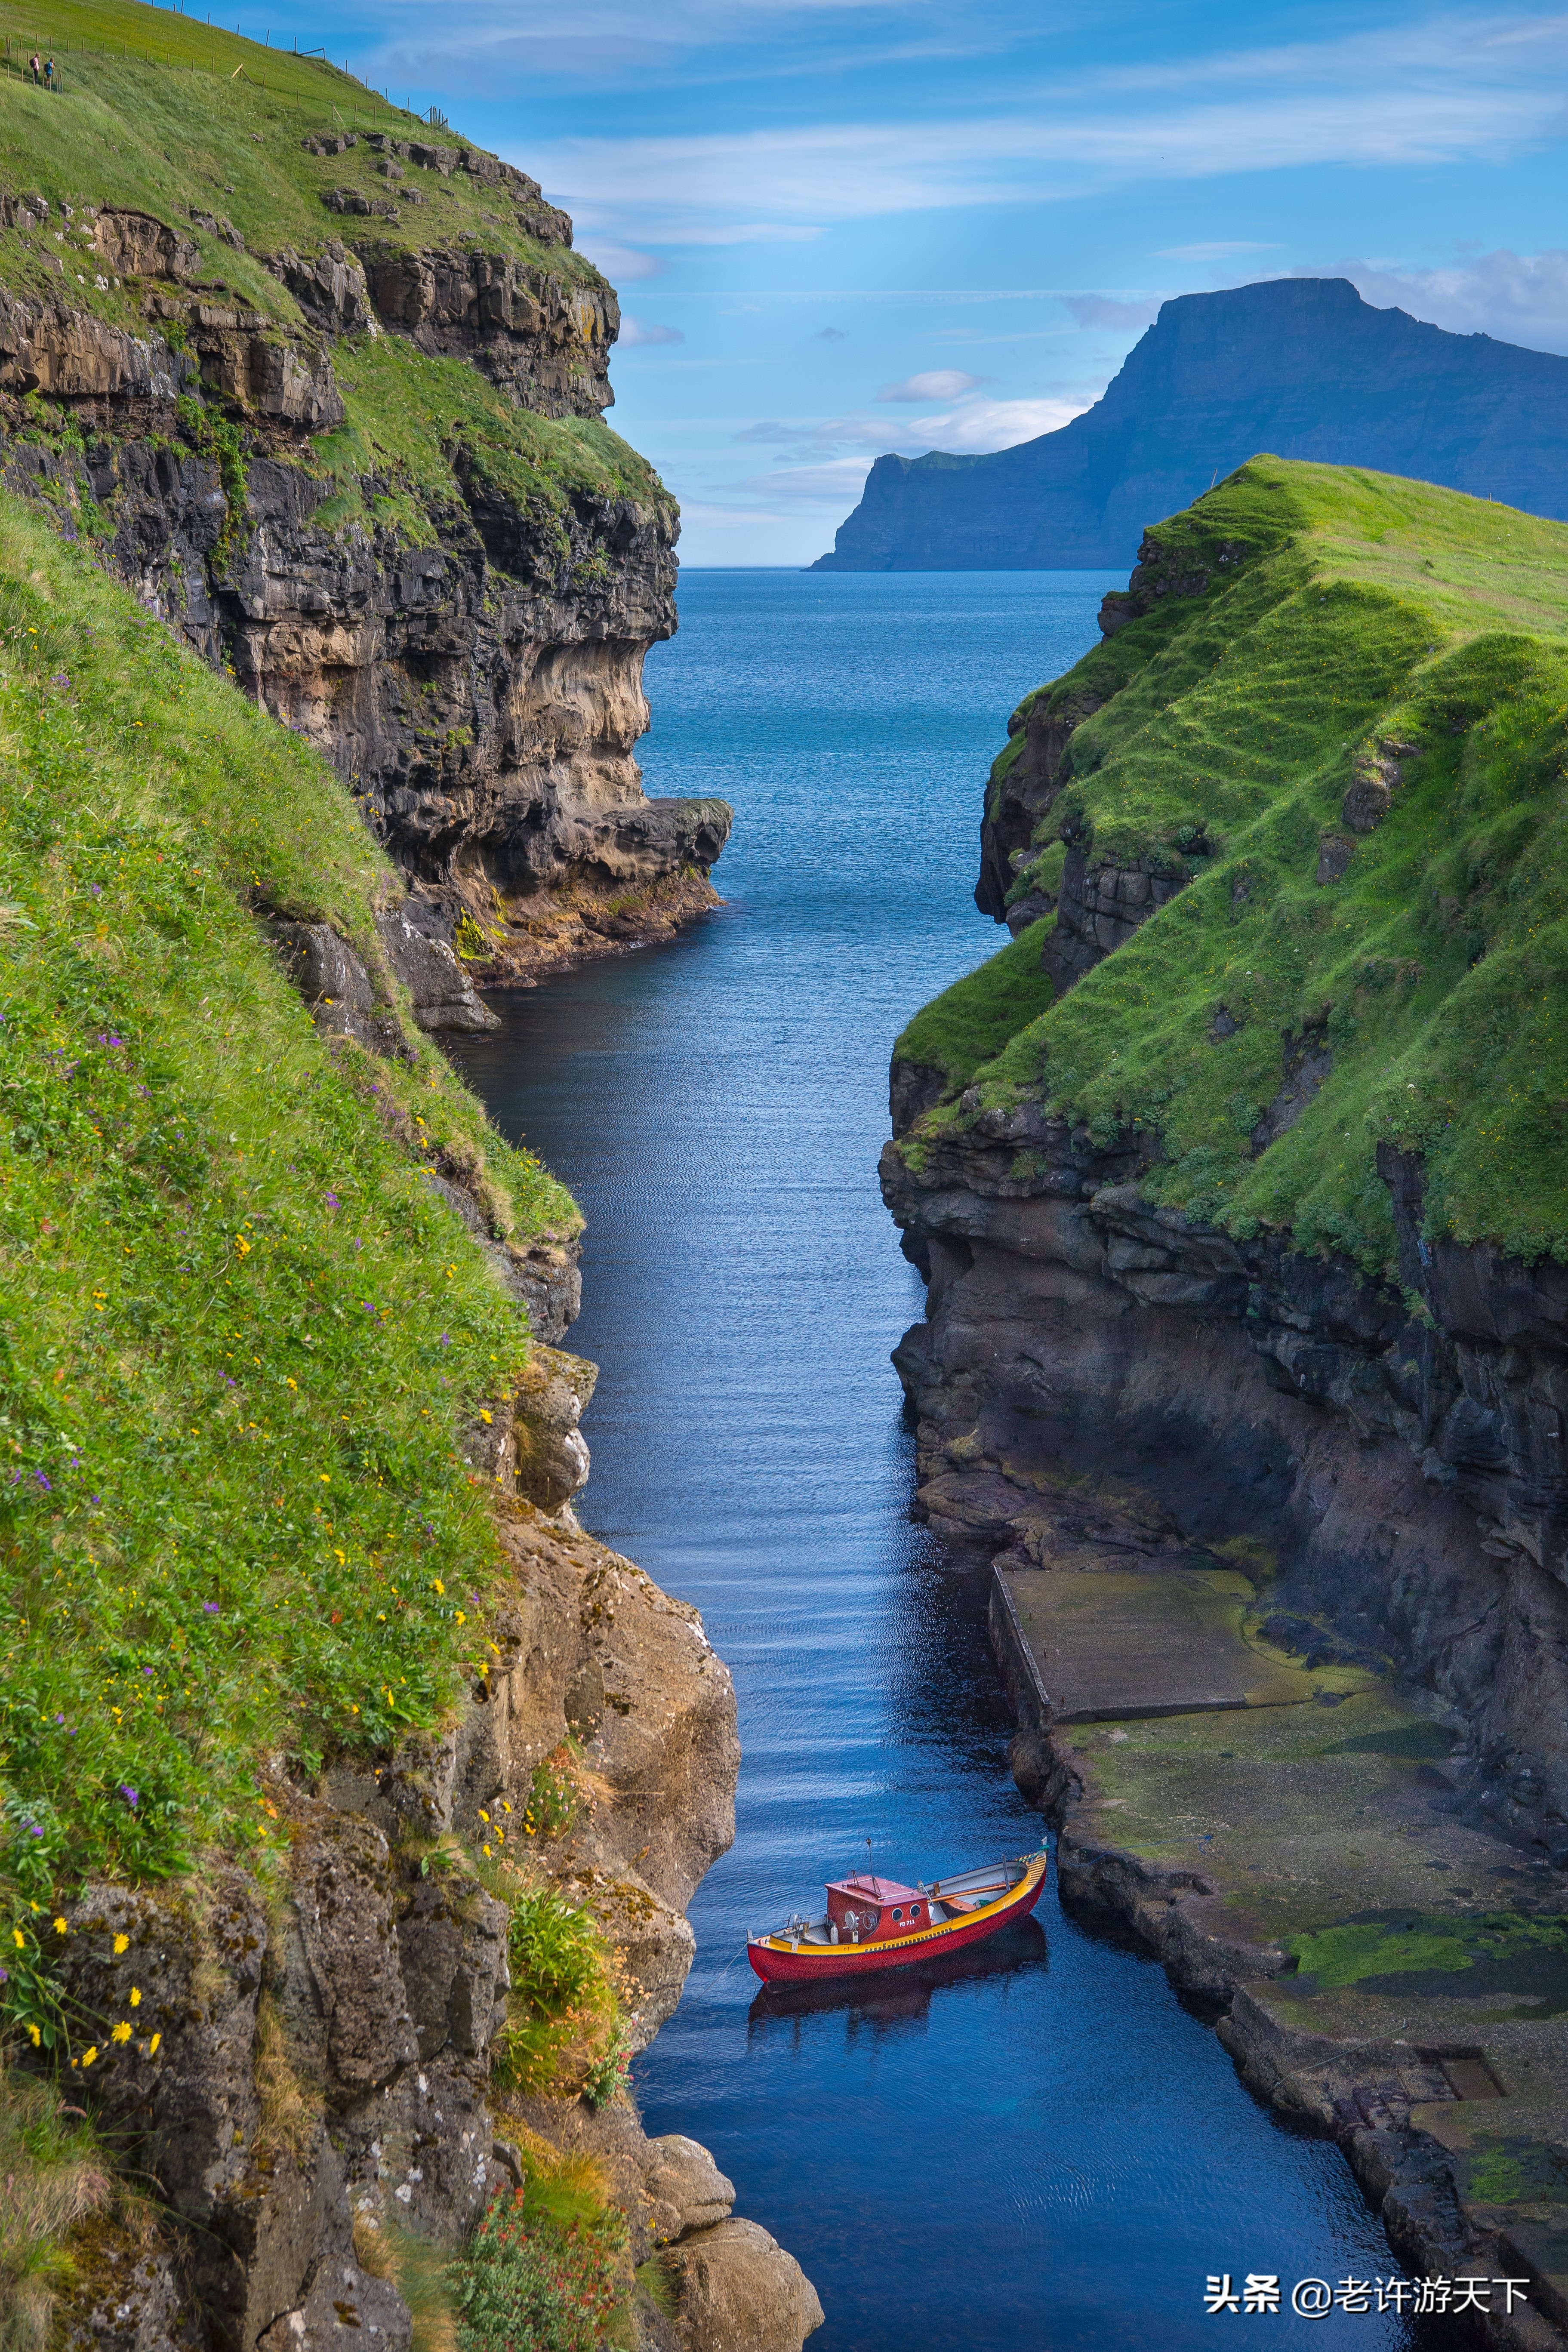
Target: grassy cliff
[
  {"x": 242, "y": 1335},
  {"x": 1340, "y": 724}
]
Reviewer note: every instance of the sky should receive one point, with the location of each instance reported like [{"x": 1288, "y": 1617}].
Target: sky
[{"x": 840, "y": 228}]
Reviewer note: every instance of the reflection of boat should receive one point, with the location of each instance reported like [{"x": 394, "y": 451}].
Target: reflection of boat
[
  {"x": 875, "y": 1923},
  {"x": 893, "y": 1997}
]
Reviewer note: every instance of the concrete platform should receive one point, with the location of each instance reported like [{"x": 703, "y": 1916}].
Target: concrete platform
[{"x": 1127, "y": 1643}]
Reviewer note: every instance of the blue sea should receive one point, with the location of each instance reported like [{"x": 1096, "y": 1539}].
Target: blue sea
[{"x": 1039, "y": 2147}]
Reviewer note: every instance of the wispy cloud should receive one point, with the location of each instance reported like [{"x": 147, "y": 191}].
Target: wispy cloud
[
  {"x": 931, "y": 383},
  {"x": 637, "y": 334},
  {"x": 1455, "y": 88}
]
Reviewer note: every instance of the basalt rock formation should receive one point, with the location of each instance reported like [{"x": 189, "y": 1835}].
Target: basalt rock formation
[
  {"x": 361, "y": 465},
  {"x": 1302, "y": 367}
]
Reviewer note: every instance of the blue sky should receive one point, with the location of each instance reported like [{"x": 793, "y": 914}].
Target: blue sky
[{"x": 840, "y": 228}]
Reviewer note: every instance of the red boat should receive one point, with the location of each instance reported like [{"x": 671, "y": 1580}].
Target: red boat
[{"x": 874, "y": 1923}]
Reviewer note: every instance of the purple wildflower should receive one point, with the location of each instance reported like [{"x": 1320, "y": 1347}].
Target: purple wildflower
[
  {"x": 131, "y": 1795},
  {"x": 333, "y": 1201},
  {"x": 46, "y": 1484},
  {"x": 209, "y": 1608}
]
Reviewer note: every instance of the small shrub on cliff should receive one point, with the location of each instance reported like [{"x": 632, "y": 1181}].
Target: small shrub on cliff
[
  {"x": 546, "y": 2268},
  {"x": 566, "y": 2032}
]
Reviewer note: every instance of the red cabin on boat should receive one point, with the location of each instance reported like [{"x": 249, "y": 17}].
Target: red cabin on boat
[{"x": 866, "y": 1908}]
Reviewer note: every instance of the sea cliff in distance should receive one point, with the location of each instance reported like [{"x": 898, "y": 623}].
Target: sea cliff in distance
[{"x": 1301, "y": 367}]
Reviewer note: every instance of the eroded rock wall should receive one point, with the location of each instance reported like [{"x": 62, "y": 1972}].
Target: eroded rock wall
[
  {"x": 1394, "y": 1457},
  {"x": 478, "y": 683}
]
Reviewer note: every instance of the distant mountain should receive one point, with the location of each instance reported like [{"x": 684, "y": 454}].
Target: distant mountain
[{"x": 1301, "y": 367}]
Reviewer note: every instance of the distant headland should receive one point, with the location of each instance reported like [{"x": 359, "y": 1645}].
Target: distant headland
[{"x": 1301, "y": 367}]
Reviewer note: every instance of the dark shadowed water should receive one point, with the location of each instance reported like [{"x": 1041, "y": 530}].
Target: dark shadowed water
[{"x": 1037, "y": 2147}]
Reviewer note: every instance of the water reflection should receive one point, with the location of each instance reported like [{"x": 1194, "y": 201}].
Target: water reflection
[{"x": 901, "y": 1996}]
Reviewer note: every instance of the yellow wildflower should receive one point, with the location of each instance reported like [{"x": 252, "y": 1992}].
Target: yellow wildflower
[
  {"x": 153, "y": 2045},
  {"x": 89, "y": 2056},
  {"x": 60, "y": 1927},
  {"x": 37, "y": 2037},
  {"x": 121, "y": 1944},
  {"x": 122, "y": 2031},
  {"x": 18, "y": 1938},
  {"x": 135, "y": 1996}
]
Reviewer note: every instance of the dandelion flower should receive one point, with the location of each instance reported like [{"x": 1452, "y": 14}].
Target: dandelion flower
[
  {"x": 89, "y": 2056},
  {"x": 37, "y": 2037},
  {"x": 122, "y": 2031},
  {"x": 153, "y": 2045},
  {"x": 121, "y": 1944},
  {"x": 135, "y": 1996},
  {"x": 18, "y": 1938}
]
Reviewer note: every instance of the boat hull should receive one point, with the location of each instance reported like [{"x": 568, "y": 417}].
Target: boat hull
[{"x": 777, "y": 1961}]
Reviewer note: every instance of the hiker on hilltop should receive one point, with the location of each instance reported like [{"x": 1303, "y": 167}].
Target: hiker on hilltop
[{"x": 37, "y": 70}]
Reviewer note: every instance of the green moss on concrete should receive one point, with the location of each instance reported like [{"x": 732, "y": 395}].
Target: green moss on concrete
[
  {"x": 243, "y": 1338},
  {"x": 1504, "y": 1951},
  {"x": 1358, "y": 610},
  {"x": 969, "y": 1022}
]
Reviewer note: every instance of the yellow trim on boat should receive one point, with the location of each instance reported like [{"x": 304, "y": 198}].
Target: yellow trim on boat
[{"x": 927, "y": 1935}]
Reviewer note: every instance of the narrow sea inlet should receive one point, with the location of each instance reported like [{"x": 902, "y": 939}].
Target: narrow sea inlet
[{"x": 1034, "y": 2144}]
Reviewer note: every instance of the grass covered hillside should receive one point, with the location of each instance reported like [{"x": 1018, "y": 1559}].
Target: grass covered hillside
[
  {"x": 241, "y": 1335},
  {"x": 1343, "y": 728},
  {"x": 205, "y": 132}
]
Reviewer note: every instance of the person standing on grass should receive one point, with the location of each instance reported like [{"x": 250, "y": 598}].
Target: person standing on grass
[
  {"x": 49, "y": 72},
  {"x": 37, "y": 70}
]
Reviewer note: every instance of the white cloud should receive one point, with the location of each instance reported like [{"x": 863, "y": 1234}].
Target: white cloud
[
  {"x": 1455, "y": 89},
  {"x": 1519, "y": 297},
  {"x": 974, "y": 427},
  {"x": 1220, "y": 250},
  {"x": 933, "y": 383},
  {"x": 637, "y": 333}
]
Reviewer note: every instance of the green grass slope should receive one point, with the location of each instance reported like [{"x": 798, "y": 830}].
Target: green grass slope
[
  {"x": 150, "y": 116},
  {"x": 240, "y": 1334},
  {"x": 1345, "y": 611}
]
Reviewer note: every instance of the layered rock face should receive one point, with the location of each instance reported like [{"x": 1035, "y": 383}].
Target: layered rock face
[
  {"x": 1400, "y": 1456},
  {"x": 476, "y": 679}
]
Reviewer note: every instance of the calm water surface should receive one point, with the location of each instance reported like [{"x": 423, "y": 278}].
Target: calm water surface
[{"x": 1040, "y": 2147}]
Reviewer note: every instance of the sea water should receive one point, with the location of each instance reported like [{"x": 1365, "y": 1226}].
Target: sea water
[{"x": 1035, "y": 2144}]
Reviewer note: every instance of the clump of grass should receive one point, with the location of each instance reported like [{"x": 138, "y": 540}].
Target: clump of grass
[
  {"x": 55, "y": 2180},
  {"x": 1435, "y": 973},
  {"x": 556, "y": 1795},
  {"x": 565, "y": 2032},
  {"x": 420, "y": 2270},
  {"x": 970, "y": 1022},
  {"x": 233, "y": 1516}
]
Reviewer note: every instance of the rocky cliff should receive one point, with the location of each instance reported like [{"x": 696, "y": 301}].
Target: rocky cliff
[
  {"x": 350, "y": 1795},
  {"x": 1237, "y": 1182},
  {"x": 330, "y": 402},
  {"x": 1302, "y": 367},
  {"x": 1266, "y": 1210}
]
